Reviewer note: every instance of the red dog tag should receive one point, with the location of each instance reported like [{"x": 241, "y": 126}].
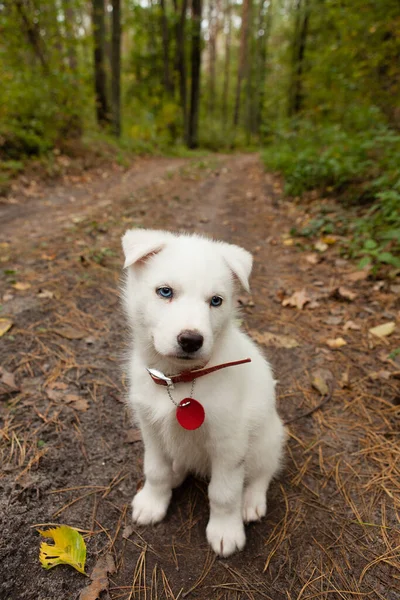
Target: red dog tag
[{"x": 190, "y": 414}]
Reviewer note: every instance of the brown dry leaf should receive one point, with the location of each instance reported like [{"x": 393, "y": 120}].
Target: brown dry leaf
[
  {"x": 103, "y": 567},
  {"x": 345, "y": 380},
  {"x": 336, "y": 343},
  {"x": 345, "y": 294},
  {"x": 358, "y": 275},
  {"x": 5, "y": 325},
  {"x": 127, "y": 532},
  {"x": 70, "y": 333},
  {"x": 298, "y": 299},
  {"x": 45, "y": 294},
  {"x": 71, "y": 398},
  {"x": 333, "y": 320},
  {"x": 321, "y": 380},
  {"x": 54, "y": 395},
  {"x": 313, "y": 258},
  {"x": 351, "y": 325},
  {"x": 273, "y": 339},
  {"x": 7, "y": 379},
  {"x": 58, "y": 385},
  {"x": 133, "y": 436},
  {"x": 382, "y": 374},
  {"x": 383, "y": 330},
  {"x": 80, "y": 404},
  {"x": 21, "y": 286}
]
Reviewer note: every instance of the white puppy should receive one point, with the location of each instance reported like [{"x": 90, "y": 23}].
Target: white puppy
[{"x": 180, "y": 299}]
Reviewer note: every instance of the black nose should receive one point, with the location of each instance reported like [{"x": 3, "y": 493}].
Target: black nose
[{"x": 190, "y": 341}]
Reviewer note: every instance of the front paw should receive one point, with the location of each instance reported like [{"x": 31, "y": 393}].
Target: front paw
[
  {"x": 254, "y": 505},
  {"x": 149, "y": 507},
  {"x": 225, "y": 535}
]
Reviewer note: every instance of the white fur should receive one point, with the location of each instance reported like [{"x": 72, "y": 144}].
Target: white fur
[{"x": 239, "y": 446}]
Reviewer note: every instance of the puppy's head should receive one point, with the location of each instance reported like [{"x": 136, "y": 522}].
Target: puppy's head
[{"x": 180, "y": 292}]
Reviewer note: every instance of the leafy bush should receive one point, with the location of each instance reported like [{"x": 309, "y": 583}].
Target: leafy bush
[{"x": 359, "y": 165}]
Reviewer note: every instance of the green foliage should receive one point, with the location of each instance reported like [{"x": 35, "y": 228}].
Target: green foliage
[{"x": 358, "y": 167}]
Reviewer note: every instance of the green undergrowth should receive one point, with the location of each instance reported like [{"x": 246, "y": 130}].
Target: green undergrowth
[{"x": 358, "y": 168}]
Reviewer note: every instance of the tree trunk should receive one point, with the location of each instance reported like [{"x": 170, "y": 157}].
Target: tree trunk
[
  {"x": 242, "y": 58},
  {"x": 165, "y": 42},
  {"x": 33, "y": 35},
  {"x": 299, "y": 47},
  {"x": 116, "y": 67},
  {"x": 265, "y": 21},
  {"x": 193, "y": 125},
  {"x": 180, "y": 61},
  {"x": 102, "y": 108},
  {"x": 212, "y": 51},
  {"x": 69, "y": 24},
  {"x": 228, "y": 35}
]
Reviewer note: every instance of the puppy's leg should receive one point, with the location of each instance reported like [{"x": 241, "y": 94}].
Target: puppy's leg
[
  {"x": 150, "y": 504},
  {"x": 225, "y": 529},
  {"x": 262, "y": 464}
]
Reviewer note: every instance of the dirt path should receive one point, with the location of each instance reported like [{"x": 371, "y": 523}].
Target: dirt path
[{"x": 68, "y": 450}]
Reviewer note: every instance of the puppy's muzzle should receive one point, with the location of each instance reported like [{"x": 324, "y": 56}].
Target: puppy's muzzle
[{"x": 190, "y": 341}]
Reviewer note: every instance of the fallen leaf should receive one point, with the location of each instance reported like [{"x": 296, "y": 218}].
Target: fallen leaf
[
  {"x": 351, "y": 325},
  {"x": 358, "y": 275},
  {"x": 321, "y": 246},
  {"x": 298, "y": 299},
  {"x": 288, "y": 242},
  {"x": 5, "y": 325},
  {"x": 21, "y": 286},
  {"x": 336, "y": 343},
  {"x": 329, "y": 239},
  {"x": 70, "y": 333},
  {"x": 58, "y": 385},
  {"x": 313, "y": 258},
  {"x": 332, "y": 320},
  {"x": 383, "y": 374},
  {"x": 103, "y": 567},
  {"x": 343, "y": 293},
  {"x": 7, "y": 297},
  {"x": 133, "y": 436},
  {"x": 345, "y": 380},
  {"x": 383, "y": 330},
  {"x": 267, "y": 338},
  {"x": 7, "y": 379},
  {"x": 395, "y": 289},
  {"x": 54, "y": 395},
  {"x": 81, "y": 404},
  {"x": 321, "y": 380},
  {"x": 45, "y": 294},
  {"x": 127, "y": 532},
  {"x": 69, "y": 548}
]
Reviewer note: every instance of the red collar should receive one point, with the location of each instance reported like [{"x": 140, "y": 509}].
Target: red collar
[{"x": 187, "y": 376}]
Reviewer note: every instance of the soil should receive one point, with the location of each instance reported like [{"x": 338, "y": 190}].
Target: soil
[{"x": 70, "y": 453}]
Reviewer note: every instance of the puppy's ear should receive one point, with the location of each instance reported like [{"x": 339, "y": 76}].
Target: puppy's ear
[
  {"x": 239, "y": 261},
  {"x": 140, "y": 244}
]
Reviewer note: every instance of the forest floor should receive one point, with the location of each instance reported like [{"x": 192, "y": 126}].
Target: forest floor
[{"x": 70, "y": 453}]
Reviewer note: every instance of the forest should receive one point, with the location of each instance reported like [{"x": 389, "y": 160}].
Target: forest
[{"x": 314, "y": 84}]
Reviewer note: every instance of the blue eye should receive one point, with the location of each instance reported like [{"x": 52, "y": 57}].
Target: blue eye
[
  {"x": 165, "y": 292},
  {"x": 216, "y": 301}
]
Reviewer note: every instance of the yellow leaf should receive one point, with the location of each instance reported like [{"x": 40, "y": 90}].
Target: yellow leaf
[
  {"x": 5, "y": 325},
  {"x": 383, "y": 330},
  {"x": 329, "y": 239},
  {"x": 336, "y": 343},
  {"x": 21, "y": 286},
  {"x": 69, "y": 548}
]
